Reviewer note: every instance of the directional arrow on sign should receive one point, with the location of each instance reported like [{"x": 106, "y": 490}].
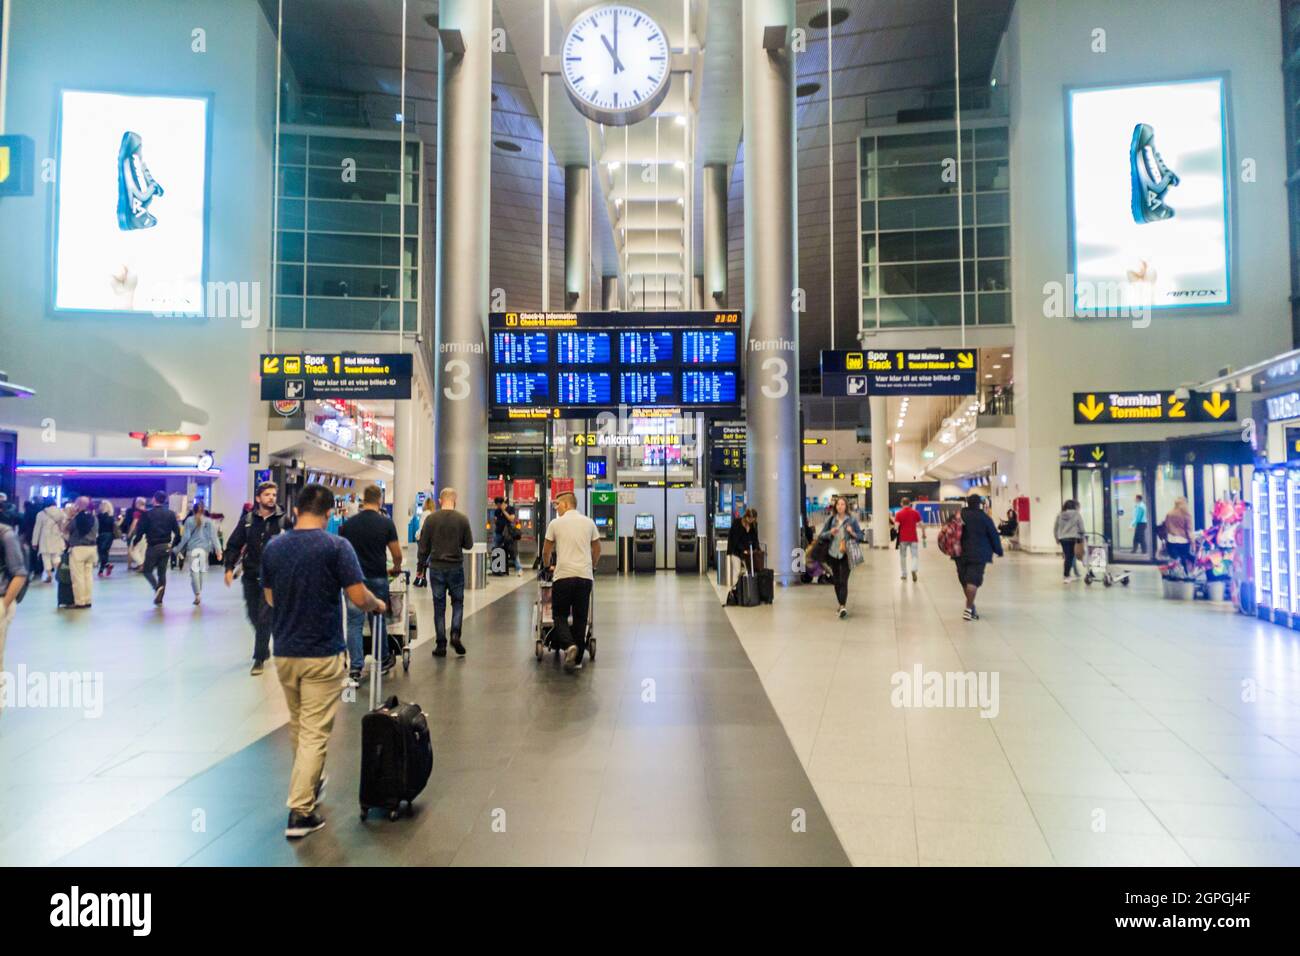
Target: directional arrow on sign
[
  {"x": 1091, "y": 408},
  {"x": 1216, "y": 405},
  {"x": 1097, "y": 453},
  {"x": 965, "y": 360}
]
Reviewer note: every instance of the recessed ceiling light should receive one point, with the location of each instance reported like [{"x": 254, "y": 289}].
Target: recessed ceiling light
[
  {"x": 988, "y": 374},
  {"x": 818, "y": 20},
  {"x": 1006, "y": 355},
  {"x": 997, "y": 366},
  {"x": 506, "y": 146},
  {"x": 806, "y": 89},
  {"x": 680, "y": 120},
  {"x": 613, "y": 166}
]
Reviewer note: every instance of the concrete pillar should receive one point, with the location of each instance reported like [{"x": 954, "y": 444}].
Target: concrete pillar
[
  {"x": 577, "y": 238},
  {"x": 715, "y": 237},
  {"x": 611, "y": 293},
  {"x": 697, "y": 293},
  {"x": 879, "y": 470},
  {"x": 406, "y": 451},
  {"x": 460, "y": 318},
  {"x": 771, "y": 250}
]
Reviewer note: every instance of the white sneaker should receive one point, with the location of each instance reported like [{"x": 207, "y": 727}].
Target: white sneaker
[
  {"x": 844, "y": 612},
  {"x": 571, "y": 657}
]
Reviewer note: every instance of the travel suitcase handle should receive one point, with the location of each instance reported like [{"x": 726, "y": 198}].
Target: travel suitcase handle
[{"x": 376, "y": 667}]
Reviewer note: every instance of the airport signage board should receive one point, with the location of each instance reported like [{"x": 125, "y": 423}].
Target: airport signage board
[
  {"x": 870, "y": 372},
  {"x": 17, "y": 163},
  {"x": 579, "y": 363},
  {"x": 1152, "y": 407},
  {"x": 336, "y": 375}
]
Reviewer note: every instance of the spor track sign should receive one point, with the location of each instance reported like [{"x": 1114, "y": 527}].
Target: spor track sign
[
  {"x": 335, "y": 375},
  {"x": 1152, "y": 407},
  {"x": 899, "y": 372}
]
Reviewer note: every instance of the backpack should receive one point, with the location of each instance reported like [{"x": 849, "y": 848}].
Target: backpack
[
  {"x": 950, "y": 536},
  {"x": 5, "y": 531}
]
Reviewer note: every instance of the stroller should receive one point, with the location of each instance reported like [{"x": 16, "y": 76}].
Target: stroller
[
  {"x": 1096, "y": 561},
  {"x": 544, "y": 620}
]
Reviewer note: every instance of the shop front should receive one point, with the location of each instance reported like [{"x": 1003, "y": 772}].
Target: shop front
[{"x": 1125, "y": 489}]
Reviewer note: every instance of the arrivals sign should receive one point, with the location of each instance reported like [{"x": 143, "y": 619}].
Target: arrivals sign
[
  {"x": 898, "y": 372},
  {"x": 335, "y": 375},
  {"x": 1151, "y": 407}
]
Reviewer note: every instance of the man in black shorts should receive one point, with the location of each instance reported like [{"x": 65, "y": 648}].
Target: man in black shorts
[{"x": 979, "y": 542}]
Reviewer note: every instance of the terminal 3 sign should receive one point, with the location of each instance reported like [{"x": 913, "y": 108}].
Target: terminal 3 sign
[
  {"x": 1152, "y": 407},
  {"x": 867, "y": 372}
]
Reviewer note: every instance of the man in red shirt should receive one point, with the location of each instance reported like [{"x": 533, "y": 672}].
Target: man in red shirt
[{"x": 907, "y": 520}]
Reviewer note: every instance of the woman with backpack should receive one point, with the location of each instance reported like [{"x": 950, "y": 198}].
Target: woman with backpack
[
  {"x": 971, "y": 539},
  {"x": 839, "y": 546}
]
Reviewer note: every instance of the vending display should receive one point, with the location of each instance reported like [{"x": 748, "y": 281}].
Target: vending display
[
  {"x": 520, "y": 348},
  {"x": 1274, "y": 515}
]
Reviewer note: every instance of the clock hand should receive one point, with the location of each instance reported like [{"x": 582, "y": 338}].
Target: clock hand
[{"x": 618, "y": 64}]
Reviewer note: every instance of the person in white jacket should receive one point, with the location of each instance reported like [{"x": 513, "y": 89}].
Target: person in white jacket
[{"x": 47, "y": 537}]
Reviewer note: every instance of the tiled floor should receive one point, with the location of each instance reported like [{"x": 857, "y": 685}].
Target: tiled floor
[
  {"x": 1130, "y": 730},
  {"x": 665, "y": 751}
]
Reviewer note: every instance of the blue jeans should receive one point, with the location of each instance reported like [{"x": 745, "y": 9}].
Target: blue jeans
[
  {"x": 441, "y": 582},
  {"x": 357, "y": 618}
]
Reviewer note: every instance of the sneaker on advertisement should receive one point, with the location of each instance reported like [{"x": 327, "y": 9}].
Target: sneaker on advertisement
[{"x": 1149, "y": 176}]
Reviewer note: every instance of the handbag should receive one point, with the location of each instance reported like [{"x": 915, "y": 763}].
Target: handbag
[
  {"x": 820, "y": 550},
  {"x": 853, "y": 550},
  {"x": 1079, "y": 549}
]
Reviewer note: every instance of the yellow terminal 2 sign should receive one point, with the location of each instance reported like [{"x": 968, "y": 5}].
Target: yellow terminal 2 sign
[{"x": 1160, "y": 407}]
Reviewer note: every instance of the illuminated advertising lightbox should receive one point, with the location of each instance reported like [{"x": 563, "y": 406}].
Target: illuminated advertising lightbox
[
  {"x": 1148, "y": 196},
  {"x": 132, "y": 203}
]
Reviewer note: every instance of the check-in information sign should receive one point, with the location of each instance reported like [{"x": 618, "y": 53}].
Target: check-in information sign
[
  {"x": 899, "y": 372},
  {"x": 1152, "y": 407},
  {"x": 335, "y": 375}
]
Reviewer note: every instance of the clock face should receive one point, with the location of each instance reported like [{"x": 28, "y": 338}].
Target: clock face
[{"x": 615, "y": 63}]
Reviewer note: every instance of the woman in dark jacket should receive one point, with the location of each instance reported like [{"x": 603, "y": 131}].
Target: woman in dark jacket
[
  {"x": 979, "y": 542},
  {"x": 743, "y": 537},
  {"x": 104, "y": 539}
]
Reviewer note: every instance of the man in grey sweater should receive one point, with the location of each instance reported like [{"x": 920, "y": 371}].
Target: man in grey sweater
[{"x": 446, "y": 535}]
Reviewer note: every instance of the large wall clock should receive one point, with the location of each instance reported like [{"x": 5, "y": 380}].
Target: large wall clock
[{"x": 615, "y": 62}]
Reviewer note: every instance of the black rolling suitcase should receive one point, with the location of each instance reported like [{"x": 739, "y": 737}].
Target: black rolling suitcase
[
  {"x": 747, "y": 586},
  {"x": 63, "y": 584},
  {"x": 396, "y": 751},
  {"x": 766, "y": 586}
]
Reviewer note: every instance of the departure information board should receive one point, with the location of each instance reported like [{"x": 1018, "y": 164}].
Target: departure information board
[
  {"x": 708, "y": 388},
  {"x": 709, "y": 348},
  {"x": 521, "y": 388},
  {"x": 583, "y": 388},
  {"x": 520, "y": 348},
  {"x": 582, "y": 348},
  {"x": 645, "y": 348},
  {"x": 574, "y": 364}
]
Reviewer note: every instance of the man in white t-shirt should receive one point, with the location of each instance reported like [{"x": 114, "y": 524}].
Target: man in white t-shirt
[{"x": 573, "y": 539}]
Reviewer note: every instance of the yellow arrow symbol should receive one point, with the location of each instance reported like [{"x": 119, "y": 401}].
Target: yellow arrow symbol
[
  {"x": 1097, "y": 453},
  {"x": 270, "y": 365},
  {"x": 965, "y": 360},
  {"x": 1091, "y": 408},
  {"x": 1215, "y": 405}
]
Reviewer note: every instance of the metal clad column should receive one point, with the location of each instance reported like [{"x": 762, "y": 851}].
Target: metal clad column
[
  {"x": 879, "y": 470},
  {"x": 464, "y": 163},
  {"x": 610, "y": 294},
  {"x": 577, "y": 238},
  {"x": 715, "y": 237},
  {"x": 771, "y": 323}
]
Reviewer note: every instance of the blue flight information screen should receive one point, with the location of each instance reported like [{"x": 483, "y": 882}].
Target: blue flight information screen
[
  {"x": 645, "y": 348},
  {"x": 709, "y": 348},
  {"x": 646, "y": 388},
  {"x": 521, "y": 388},
  {"x": 708, "y": 388},
  {"x": 520, "y": 348},
  {"x": 582, "y": 348},
  {"x": 582, "y": 388}
]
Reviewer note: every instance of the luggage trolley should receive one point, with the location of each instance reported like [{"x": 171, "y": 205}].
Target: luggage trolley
[
  {"x": 1096, "y": 561},
  {"x": 400, "y": 623},
  {"x": 544, "y": 620}
]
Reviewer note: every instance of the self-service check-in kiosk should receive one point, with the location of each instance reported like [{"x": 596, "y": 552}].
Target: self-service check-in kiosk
[
  {"x": 643, "y": 544},
  {"x": 604, "y": 512},
  {"x": 686, "y": 545}
]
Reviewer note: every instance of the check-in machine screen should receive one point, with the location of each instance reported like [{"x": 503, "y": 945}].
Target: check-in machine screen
[
  {"x": 686, "y": 522},
  {"x": 645, "y": 522}
]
